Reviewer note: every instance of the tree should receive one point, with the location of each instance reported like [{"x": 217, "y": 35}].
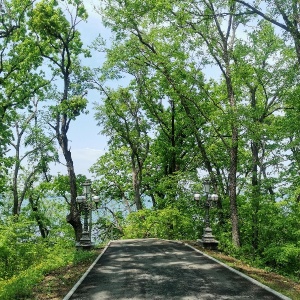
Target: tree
[
  {"x": 58, "y": 40},
  {"x": 122, "y": 119},
  {"x": 260, "y": 79},
  {"x": 20, "y": 76},
  {"x": 113, "y": 177},
  {"x": 19, "y": 58},
  {"x": 198, "y": 30},
  {"x": 39, "y": 152},
  {"x": 165, "y": 77},
  {"x": 285, "y": 16},
  {"x": 271, "y": 10}
]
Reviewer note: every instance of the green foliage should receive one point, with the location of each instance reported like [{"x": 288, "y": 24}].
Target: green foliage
[
  {"x": 25, "y": 257},
  {"x": 60, "y": 185},
  {"x": 21, "y": 77},
  {"x": 109, "y": 227},
  {"x": 71, "y": 108},
  {"x": 113, "y": 175},
  {"x": 48, "y": 19},
  {"x": 167, "y": 223},
  {"x": 20, "y": 286},
  {"x": 21, "y": 246},
  {"x": 283, "y": 258},
  {"x": 16, "y": 254},
  {"x": 275, "y": 224},
  {"x": 226, "y": 245}
]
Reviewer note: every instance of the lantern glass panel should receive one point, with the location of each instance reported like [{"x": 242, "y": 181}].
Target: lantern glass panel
[
  {"x": 86, "y": 187},
  {"x": 206, "y": 186},
  {"x": 80, "y": 199}
]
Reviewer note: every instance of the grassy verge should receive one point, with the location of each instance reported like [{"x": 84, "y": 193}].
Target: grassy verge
[
  {"x": 57, "y": 283},
  {"x": 54, "y": 275}
]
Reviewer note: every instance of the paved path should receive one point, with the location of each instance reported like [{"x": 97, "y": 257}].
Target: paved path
[{"x": 158, "y": 269}]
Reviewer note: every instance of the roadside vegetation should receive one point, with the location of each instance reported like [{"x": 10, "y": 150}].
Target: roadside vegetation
[{"x": 25, "y": 259}]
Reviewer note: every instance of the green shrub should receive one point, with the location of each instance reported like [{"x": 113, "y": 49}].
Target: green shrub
[
  {"x": 19, "y": 248},
  {"x": 21, "y": 285},
  {"x": 26, "y": 257},
  {"x": 283, "y": 258},
  {"x": 168, "y": 223}
]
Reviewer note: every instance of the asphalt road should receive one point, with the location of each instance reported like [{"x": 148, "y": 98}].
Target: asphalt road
[{"x": 158, "y": 269}]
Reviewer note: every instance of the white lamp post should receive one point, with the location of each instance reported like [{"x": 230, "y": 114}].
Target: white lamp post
[
  {"x": 208, "y": 240},
  {"x": 86, "y": 205}
]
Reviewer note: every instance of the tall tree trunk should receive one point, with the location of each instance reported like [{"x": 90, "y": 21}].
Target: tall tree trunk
[
  {"x": 232, "y": 188},
  {"x": 137, "y": 187},
  {"x": 233, "y": 159},
  {"x": 17, "y": 204},
  {"x": 254, "y": 178},
  {"x": 136, "y": 180},
  {"x": 73, "y": 218},
  {"x": 255, "y": 194}
]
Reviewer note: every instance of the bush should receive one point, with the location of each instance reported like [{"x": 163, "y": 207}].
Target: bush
[
  {"x": 19, "y": 248},
  {"x": 283, "y": 258},
  {"x": 20, "y": 286},
  {"x": 26, "y": 257},
  {"x": 168, "y": 223}
]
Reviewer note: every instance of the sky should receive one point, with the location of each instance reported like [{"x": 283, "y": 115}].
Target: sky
[{"x": 87, "y": 145}]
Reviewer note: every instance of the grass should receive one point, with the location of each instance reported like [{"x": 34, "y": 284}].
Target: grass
[{"x": 57, "y": 283}]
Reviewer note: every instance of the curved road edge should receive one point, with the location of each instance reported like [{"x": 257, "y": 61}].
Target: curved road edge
[{"x": 74, "y": 288}]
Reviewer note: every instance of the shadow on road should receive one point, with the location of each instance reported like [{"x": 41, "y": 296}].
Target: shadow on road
[{"x": 157, "y": 269}]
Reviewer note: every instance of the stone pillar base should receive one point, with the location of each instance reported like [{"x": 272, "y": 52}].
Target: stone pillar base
[
  {"x": 84, "y": 246},
  {"x": 85, "y": 242},
  {"x": 208, "y": 241}
]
